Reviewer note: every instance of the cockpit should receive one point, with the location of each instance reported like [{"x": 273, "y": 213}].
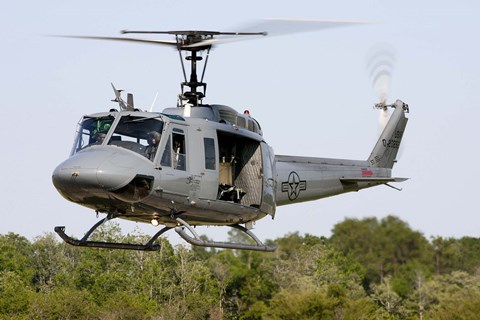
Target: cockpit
[{"x": 133, "y": 132}]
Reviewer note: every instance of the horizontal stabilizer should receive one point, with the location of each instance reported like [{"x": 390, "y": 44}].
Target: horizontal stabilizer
[{"x": 372, "y": 180}]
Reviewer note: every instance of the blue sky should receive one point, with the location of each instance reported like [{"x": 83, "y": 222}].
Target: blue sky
[{"x": 311, "y": 92}]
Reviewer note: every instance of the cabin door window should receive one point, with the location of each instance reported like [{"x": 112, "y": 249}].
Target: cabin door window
[
  {"x": 174, "y": 154},
  {"x": 179, "y": 152}
]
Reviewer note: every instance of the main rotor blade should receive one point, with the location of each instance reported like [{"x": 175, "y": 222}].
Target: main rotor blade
[
  {"x": 161, "y": 42},
  {"x": 195, "y": 33},
  {"x": 271, "y": 27},
  {"x": 277, "y": 27}
]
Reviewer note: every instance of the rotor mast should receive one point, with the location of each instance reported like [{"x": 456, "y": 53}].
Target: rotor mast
[
  {"x": 193, "y": 96},
  {"x": 194, "y": 83}
]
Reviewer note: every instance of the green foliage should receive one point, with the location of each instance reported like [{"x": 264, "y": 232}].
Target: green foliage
[
  {"x": 382, "y": 247},
  {"x": 46, "y": 260},
  {"x": 15, "y": 253},
  {"x": 127, "y": 306},
  {"x": 15, "y": 295},
  {"x": 368, "y": 269},
  {"x": 243, "y": 278},
  {"x": 63, "y": 303},
  {"x": 305, "y": 304},
  {"x": 456, "y": 254},
  {"x": 456, "y": 296}
]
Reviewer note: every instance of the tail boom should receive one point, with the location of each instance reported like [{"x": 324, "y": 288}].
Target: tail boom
[{"x": 300, "y": 179}]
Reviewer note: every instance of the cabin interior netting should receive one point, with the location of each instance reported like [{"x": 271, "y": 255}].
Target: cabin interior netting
[{"x": 240, "y": 172}]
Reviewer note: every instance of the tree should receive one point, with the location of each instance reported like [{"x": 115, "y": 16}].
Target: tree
[
  {"x": 64, "y": 304},
  {"x": 456, "y": 254},
  {"x": 324, "y": 282},
  {"x": 423, "y": 296},
  {"x": 368, "y": 269},
  {"x": 127, "y": 306},
  {"x": 457, "y": 296},
  {"x": 469, "y": 254},
  {"x": 15, "y": 295},
  {"x": 301, "y": 304},
  {"x": 386, "y": 297},
  {"x": 47, "y": 261},
  {"x": 381, "y": 246},
  {"x": 15, "y": 255},
  {"x": 193, "y": 294}
]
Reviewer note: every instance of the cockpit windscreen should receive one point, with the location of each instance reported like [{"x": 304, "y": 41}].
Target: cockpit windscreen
[{"x": 138, "y": 134}]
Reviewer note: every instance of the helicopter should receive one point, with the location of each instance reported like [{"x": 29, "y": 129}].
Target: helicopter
[{"x": 200, "y": 164}]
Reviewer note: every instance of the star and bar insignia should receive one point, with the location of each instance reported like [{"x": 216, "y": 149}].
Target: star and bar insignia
[{"x": 294, "y": 185}]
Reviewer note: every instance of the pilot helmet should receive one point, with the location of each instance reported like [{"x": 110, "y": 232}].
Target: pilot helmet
[{"x": 153, "y": 138}]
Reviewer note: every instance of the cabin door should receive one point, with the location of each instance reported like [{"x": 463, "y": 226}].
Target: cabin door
[
  {"x": 174, "y": 161},
  {"x": 206, "y": 171},
  {"x": 268, "y": 196}
]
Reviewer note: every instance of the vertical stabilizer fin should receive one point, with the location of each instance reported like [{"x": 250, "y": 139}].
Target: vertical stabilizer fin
[{"x": 385, "y": 151}]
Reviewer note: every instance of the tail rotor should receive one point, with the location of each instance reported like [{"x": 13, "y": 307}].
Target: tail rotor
[{"x": 380, "y": 65}]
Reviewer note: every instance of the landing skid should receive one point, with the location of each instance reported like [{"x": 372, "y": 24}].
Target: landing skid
[
  {"x": 84, "y": 242},
  {"x": 150, "y": 246},
  {"x": 197, "y": 241}
]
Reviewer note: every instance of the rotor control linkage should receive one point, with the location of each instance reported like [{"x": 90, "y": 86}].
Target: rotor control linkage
[
  {"x": 197, "y": 241},
  {"x": 84, "y": 242},
  {"x": 384, "y": 106}
]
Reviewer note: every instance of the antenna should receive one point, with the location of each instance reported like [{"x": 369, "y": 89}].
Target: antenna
[{"x": 153, "y": 103}]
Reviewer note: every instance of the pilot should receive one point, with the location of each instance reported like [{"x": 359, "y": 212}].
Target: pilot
[
  {"x": 153, "y": 138},
  {"x": 99, "y": 137}
]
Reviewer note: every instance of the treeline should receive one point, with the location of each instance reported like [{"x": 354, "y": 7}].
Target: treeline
[{"x": 367, "y": 269}]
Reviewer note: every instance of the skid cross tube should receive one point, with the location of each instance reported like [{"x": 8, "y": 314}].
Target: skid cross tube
[
  {"x": 84, "y": 242},
  {"x": 197, "y": 241}
]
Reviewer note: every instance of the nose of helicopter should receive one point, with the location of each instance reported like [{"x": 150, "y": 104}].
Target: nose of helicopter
[{"x": 94, "y": 173}]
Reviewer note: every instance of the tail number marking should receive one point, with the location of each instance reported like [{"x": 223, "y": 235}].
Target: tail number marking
[{"x": 391, "y": 143}]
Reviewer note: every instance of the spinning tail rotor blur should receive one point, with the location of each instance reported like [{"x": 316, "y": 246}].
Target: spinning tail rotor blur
[{"x": 380, "y": 65}]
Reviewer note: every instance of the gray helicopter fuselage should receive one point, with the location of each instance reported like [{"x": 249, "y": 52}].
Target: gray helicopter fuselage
[
  {"x": 189, "y": 174},
  {"x": 207, "y": 164}
]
